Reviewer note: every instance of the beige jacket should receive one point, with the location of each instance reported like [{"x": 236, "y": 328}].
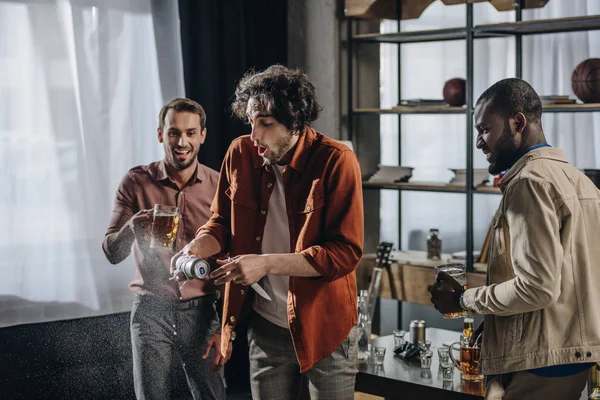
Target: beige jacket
[{"x": 542, "y": 298}]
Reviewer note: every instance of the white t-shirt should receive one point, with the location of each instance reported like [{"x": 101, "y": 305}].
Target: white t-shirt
[{"x": 276, "y": 240}]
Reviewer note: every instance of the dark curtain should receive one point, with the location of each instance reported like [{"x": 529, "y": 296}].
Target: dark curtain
[{"x": 221, "y": 40}]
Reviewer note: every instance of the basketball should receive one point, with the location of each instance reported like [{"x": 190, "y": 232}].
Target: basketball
[
  {"x": 455, "y": 92},
  {"x": 585, "y": 81}
]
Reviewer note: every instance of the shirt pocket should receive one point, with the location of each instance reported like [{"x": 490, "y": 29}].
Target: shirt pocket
[
  {"x": 313, "y": 203},
  {"x": 241, "y": 198}
]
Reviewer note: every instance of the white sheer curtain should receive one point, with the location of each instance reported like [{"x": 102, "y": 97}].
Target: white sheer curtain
[
  {"x": 81, "y": 84},
  {"x": 433, "y": 143}
]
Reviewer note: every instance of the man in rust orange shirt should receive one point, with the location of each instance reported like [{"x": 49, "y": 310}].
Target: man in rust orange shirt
[
  {"x": 174, "y": 325},
  {"x": 289, "y": 213}
]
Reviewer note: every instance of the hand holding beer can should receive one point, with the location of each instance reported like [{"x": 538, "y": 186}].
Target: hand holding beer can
[
  {"x": 192, "y": 267},
  {"x": 165, "y": 220}
]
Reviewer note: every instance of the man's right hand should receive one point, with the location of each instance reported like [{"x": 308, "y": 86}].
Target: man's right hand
[
  {"x": 477, "y": 334},
  {"x": 191, "y": 249},
  {"x": 141, "y": 225}
]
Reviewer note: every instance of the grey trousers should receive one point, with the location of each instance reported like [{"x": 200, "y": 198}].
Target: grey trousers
[
  {"x": 170, "y": 338},
  {"x": 275, "y": 371},
  {"x": 525, "y": 385}
]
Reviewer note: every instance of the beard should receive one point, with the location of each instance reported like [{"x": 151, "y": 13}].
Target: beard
[
  {"x": 506, "y": 153},
  {"x": 280, "y": 149},
  {"x": 180, "y": 165}
]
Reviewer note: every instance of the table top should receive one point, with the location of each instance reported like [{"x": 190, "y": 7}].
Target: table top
[{"x": 397, "y": 377}]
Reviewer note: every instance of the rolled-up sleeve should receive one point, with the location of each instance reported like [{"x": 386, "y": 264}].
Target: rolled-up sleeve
[
  {"x": 533, "y": 216},
  {"x": 343, "y": 230}
]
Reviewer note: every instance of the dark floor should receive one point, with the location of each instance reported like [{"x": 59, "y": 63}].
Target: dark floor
[{"x": 233, "y": 394}]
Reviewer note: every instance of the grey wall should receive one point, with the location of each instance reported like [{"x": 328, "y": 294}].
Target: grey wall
[{"x": 313, "y": 44}]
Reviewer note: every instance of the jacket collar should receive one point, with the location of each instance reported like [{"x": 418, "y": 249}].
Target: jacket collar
[{"x": 549, "y": 153}]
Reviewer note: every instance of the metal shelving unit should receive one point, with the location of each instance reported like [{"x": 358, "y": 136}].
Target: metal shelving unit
[{"x": 468, "y": 33}]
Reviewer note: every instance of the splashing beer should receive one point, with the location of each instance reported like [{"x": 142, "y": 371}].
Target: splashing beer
[
  {"x": 164, "y": 226},
  {"x": 458, "y": 272}
]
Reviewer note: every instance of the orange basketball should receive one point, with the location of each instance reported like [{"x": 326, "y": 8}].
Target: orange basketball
[
  {"x": 455, "y": 93},
  {"x": 585, "y": 81}
]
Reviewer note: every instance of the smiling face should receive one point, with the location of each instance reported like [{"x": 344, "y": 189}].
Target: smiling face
[
  {"x": 181, "y": 136},
  {"x": 272, "y": 139},
  {"x": 496, "y": 138}
]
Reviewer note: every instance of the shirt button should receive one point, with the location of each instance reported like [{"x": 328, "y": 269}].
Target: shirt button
[
  {"x": 577, "y": 354},
  {"x": 269, "y": 185},
  {"x": 308, "y": 208},
  {"x": 588, "y": 354},
  {"x": 242, "y": 291},
  {"x": 232, "y": 319},
  {"x": 233, "y": 335},
  {"x": 263, "y": 212},
  {"x": 175, "y": 333},
  {"x": 258, "y": 238}
]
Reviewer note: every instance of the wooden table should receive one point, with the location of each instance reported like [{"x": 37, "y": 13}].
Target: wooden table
[{"x": 397, "y": 378}]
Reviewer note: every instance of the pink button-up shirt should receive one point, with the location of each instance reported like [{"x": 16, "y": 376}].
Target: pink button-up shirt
[{"x": 141, "y": 188}]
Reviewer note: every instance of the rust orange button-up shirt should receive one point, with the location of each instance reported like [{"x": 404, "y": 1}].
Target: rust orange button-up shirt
[{"x": 323, "y": 192}]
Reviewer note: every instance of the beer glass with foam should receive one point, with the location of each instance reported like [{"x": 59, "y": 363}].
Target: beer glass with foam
[
  {"x": 468, "y": 365},
  {"x": 459, "y": 272},
  {"x": 165, "y": 221}
]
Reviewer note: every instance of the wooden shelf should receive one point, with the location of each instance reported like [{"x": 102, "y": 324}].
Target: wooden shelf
[
  {"x": 413, "y": 37},
  {"x": 567, "y": 108},
  {"x": 429, "y": 187},
  {"x": 412, "y": 110},
  {"x": 557, "y": 25}
]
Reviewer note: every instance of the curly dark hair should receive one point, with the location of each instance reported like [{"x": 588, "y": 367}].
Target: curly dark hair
[{"x": 285, "y": 93}]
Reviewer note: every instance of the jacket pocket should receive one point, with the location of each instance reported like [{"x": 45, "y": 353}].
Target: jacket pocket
[
  {"x": 498, "y": 245},
  {"x": 240, "y": 197}
]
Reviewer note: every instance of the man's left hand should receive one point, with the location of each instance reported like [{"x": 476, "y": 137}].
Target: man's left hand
[
  {"x": 445, "y": 293},
  {"x": 218, "y": 360},
  {"x": 244, "y": 270}
]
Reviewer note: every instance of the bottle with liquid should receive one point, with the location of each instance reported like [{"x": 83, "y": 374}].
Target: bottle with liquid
[
  {"x": 594, "y": 382},
  {"x": 468, "y": 326},
  {"x": 434, "y": 245},
  {"x": 364, "y": 326}
]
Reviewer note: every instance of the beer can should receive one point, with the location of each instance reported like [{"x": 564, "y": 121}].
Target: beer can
[
  {"x": 193, "y": 268},
  {"x": 417, "y": 331}
]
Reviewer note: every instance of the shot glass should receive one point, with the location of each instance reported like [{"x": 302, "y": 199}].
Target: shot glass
[
  {"x": 426, "y": 357},
  {"x": 378, "y": 355},
  {"x": 398, "y": 338},
  {"x": 447, "y": 371},
  {"x": 443, "y": 355}
]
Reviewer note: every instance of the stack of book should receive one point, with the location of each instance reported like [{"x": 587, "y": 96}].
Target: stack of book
[
  {"x": 557, "y": 99},
  {"x": 392, "y": 173},
  {"x": 480, "y": 177}
]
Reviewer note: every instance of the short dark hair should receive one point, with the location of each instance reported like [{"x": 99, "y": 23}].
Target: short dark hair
[
  {"x": 510, "y": 96},
  {"x": 285, "y": 93},
  {"x": 179, "y": 105}
]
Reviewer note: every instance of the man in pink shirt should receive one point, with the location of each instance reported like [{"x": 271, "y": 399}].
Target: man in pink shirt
[{"x": 174, "y": 325}]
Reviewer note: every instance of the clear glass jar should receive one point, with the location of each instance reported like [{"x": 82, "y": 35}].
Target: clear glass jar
[{"x": 434, "y": 245}]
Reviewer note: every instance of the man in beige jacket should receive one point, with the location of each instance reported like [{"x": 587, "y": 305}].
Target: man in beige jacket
[{"x": 541, "y": 302}]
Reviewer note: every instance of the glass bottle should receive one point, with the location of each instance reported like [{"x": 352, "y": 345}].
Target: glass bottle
[
  {"x": 594, "y": 382},
  {"x": 434, "y": 245},
  {"x": 364, "y": 326},
  {"x": 468, "y": 326}
]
